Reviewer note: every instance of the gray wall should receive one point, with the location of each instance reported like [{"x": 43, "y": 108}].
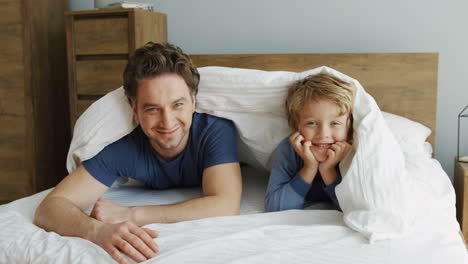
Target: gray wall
[{"x": 301, "y": 26}]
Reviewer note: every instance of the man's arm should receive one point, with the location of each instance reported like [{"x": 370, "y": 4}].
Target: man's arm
[
  {"x": 62, "y": 212},
  {"x": 222, "y": 188}
]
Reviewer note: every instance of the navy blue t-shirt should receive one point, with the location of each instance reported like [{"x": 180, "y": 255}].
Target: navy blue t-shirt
[{"x": 212, "y": 141}]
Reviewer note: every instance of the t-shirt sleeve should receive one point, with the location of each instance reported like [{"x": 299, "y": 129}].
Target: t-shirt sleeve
[
  {"x": 112, "y": 162},
  {"x": 286, "y": 188},
  {"x": 221, "y": 144}
]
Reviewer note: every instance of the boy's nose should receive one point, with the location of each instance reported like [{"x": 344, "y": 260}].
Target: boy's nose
[{"x": 324, "y": 132}]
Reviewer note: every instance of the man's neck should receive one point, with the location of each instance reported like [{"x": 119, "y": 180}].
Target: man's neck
[{"x": 170, "y": 154}]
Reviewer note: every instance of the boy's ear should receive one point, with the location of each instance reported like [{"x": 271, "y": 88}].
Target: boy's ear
[{"x": 350, "y": 129}]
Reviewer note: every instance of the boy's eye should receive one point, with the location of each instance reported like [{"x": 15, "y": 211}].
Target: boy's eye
[
  {"x": 335, "y": 123},
  {"x": 311, "y": 123}
]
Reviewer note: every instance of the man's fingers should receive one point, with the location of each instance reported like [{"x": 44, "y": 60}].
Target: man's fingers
[
  {"x": 128, "y": 249},
  {"x": 93, "y": 213},
  {"x": 139, "y": 245},
  {"x": 152, "y": 233},
  {"x": 118, "y": 256},
  {"x": 147, "y": 235}
]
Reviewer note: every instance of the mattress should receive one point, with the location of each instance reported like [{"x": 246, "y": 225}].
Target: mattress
[{"x": 292, "y": 236}]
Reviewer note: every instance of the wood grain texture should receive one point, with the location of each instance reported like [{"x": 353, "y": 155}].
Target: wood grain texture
[
  {"x": 13, "y": 115},
  {"x": 149, "y": 26},
  {"x": 402, "y": 83},
  {"x": 101, "y": 35},
  {"x": 98, "y": 77},
  {"x": 461, "y": 188},
  {"x": 71, "y": 63},
  {"x": 15, "y": 178},
  {"x": 32, "y": 73}
]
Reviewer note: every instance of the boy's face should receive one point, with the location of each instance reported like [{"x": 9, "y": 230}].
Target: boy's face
[{"x": 320, "y": 123}]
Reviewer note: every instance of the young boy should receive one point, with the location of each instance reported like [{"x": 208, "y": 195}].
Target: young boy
[{"x": 305, "y": 166}]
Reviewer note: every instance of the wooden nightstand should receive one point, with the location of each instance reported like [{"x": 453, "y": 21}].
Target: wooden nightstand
[
  {"x": 99, "y": 43},
  {"x": 461, "y": 188}
]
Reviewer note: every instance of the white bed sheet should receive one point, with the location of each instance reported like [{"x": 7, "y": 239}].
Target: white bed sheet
[{"x": 293, "y": 236}]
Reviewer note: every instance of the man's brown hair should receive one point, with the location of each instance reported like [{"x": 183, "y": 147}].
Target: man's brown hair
[{"x": 154, "y": 59}]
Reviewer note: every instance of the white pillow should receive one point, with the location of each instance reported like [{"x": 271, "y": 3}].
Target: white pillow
[{"x": 410, "y": 135}]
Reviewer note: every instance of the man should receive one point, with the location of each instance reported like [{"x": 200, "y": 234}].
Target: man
[{"x": 172, "y": 146}]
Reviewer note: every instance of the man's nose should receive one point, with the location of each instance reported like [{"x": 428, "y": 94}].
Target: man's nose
[{"x": 167, "y": 119}]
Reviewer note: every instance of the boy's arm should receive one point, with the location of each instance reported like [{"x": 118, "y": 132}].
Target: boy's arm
[
  {"x": 329, "y": 169},
  {"x": 287, "y": 189},
  {"x": 329, "y": 187}
]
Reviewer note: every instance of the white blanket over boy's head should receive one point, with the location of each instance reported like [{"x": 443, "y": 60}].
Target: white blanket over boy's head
[{"x": 375, "y": 193}]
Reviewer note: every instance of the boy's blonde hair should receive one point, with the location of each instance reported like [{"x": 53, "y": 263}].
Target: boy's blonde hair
[{"x": 316, "y": 87}]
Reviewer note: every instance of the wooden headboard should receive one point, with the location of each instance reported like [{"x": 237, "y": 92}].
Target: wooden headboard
[{"x": 402, "y": 83}]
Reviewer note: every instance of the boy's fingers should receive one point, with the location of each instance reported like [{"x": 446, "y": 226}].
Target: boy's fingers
[
  {"x": 293, "y": 136},
  {"x": 331, "y": 153},
  {"x": 297, "y": 141},
  {"x": 306, "y": 148}
]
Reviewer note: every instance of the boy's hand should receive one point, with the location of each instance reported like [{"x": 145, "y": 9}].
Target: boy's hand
[
  {"x": 303, "y": 150},
  {"x": 336, "y": 153}
]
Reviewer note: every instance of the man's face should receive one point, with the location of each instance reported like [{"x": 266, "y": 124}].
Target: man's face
[
  {"x": 321, "y": 123},
  {"x": 164, "y": 109}
]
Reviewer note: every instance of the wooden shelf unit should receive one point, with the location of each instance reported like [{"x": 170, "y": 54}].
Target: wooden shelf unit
[{"x": 99, "y": 43}]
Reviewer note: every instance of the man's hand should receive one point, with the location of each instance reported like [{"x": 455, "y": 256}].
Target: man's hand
[
  {"x": 126, "y": 238},
  {"x": 109, "y": 212},
  {"x": 302, "y": 148}
]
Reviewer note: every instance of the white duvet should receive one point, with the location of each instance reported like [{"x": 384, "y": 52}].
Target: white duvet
[{"x": 293, "y": 236}]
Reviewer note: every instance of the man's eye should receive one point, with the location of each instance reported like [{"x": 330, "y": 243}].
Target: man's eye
[
  {"x": 178, "y": 104},
  {"x": 151, "y": 109}
]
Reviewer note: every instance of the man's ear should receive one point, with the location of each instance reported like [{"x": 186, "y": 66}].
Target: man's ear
[
  {"x": 133, "y": 104},
  {"x": 194, "y": 102}
]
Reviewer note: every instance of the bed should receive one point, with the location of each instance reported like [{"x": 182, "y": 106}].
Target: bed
[{"x": 402, "y": 84}]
